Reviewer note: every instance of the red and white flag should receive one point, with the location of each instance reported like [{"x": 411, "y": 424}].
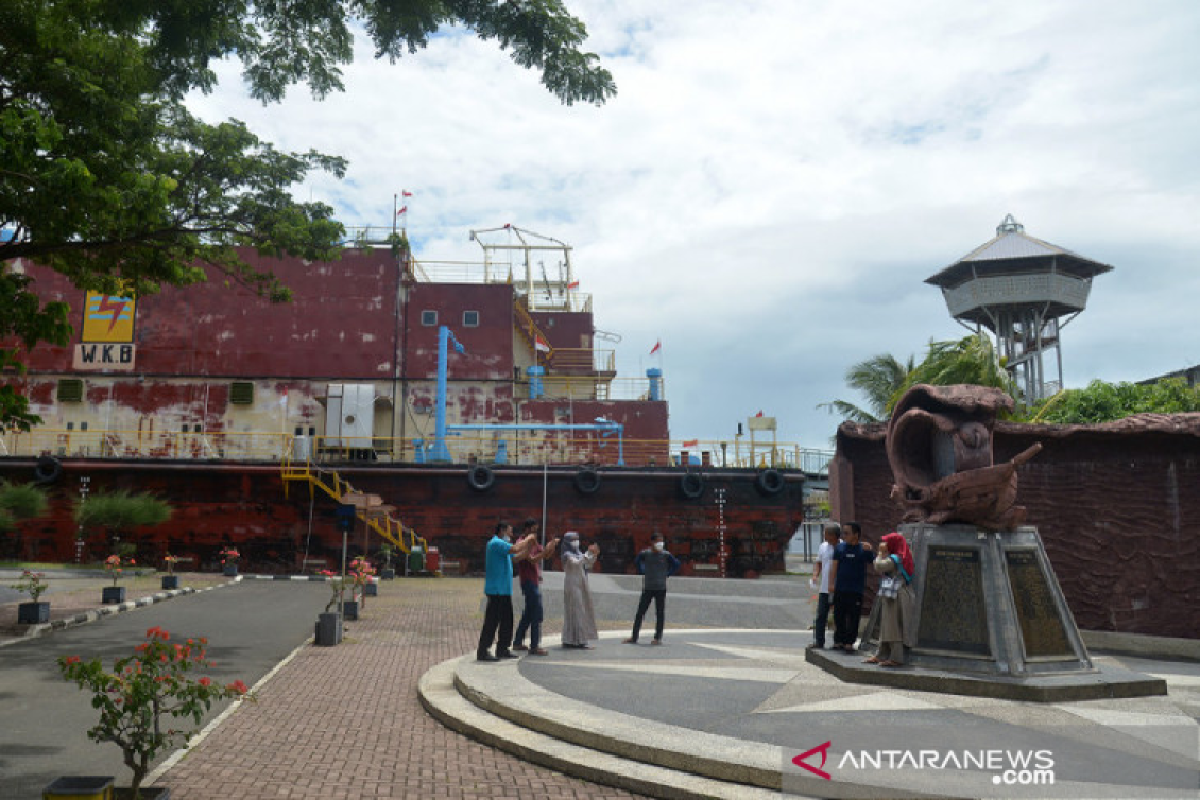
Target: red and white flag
[
  {"x": 405, "y": 193},
  {"x": 573, "y": 285},
  {"x": 691, "y": 443},
  {"x": 657, "y": 347},
  {"x": 540, "y": 343},
  {"x": 403, "y": 210}
]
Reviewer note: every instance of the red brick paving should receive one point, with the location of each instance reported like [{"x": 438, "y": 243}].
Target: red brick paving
[{"x": 345, "y": 722}]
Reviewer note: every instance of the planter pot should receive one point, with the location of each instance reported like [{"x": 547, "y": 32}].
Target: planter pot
[
  {"x": 230, "y": 570},
  {"x": 80, "y": 788},
  {"x": 113, "y": 594},
  {"x": 33, "y": 613},
  {"x": 371, "y": 589},
  {"x": 170, "y": 581},
  {"x": 387, "y": 574},
  {"x": 328, "y": 630},
  {"x": 350, "y": 609}
]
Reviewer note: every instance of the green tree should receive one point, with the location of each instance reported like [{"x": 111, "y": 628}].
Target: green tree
[
  {"x": 971, "y": 360},
  {"x": 107, "y": 179},
  {"x": 1105, "y": 402},
  {"x": 884, "y": 380},
  {"x": 880, "y": 377},
  {"x": 19, "y": 501},
  {"x": 119, "y": 511}
]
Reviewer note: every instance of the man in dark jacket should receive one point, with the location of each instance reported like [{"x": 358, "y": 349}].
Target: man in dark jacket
[{"x": 655, "y": 564}]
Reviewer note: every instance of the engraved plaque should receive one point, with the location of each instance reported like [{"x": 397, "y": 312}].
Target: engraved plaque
[
  {"x": 1041, "y": 624},
  {"x": 953, "y": 616}
]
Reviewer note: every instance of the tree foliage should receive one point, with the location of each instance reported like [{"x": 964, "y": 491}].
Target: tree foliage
[
  {"x": 107, "y": 179},
  {"x": 20, "y": 501},
  {"x": 1105, "y": 402},
  {"x": 120, "y": 511},
  {"x": 883, "y": 379}
]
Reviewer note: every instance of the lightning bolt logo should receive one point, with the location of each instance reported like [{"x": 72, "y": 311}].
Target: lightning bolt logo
[{"x": 115, "y": 307}]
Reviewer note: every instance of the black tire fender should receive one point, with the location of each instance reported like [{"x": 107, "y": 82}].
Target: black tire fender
[
  {"x": 47, "y": 470},
  {"x": 587, "y": 480},
  {"x": 481, "y": 478},
  {"x": 769, "y": 482},
  {"x": 692, "y": 485}
]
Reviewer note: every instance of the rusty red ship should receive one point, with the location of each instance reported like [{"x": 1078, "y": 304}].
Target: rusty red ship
[{"x": 434, "y": 398}]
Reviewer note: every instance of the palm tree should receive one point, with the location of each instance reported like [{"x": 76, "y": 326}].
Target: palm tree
[
  {"x": 972, "y": 360},
  {"x": 881, "y": 378},
  {"x": 884, "y": 380}
]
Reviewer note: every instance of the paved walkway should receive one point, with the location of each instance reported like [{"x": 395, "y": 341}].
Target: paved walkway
[
  {"x": 345, "y": 721},
  {"x": 728, "y": 698}
]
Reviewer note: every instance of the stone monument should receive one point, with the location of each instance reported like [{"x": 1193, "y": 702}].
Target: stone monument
[{"x": 990, "y": 616}]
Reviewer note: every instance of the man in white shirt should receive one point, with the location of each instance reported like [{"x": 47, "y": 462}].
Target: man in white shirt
[{"x": 820, "y": 580}]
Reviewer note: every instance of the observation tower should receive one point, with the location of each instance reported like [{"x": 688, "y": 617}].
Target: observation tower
[{"x": 1024, "y": 291}]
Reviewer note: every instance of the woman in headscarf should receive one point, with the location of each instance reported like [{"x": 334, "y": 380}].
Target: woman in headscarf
[
  {"x": 579, "y": 620},
  {"x": 894, "y": 562}
]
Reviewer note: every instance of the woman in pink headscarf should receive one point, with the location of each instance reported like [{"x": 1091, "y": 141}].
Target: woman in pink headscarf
[{"x": 894, "y": 562}]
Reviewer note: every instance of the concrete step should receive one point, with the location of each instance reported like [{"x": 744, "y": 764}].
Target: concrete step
[{"x": 441, "y": 695}]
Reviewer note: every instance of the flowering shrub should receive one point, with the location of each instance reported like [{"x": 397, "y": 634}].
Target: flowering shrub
[
  {"x": 144, "y": 688},
  {"x": 115, "y": 565},
  {"x": 32, "y": 582},
  {"x": 230, "y": 555},
  {"x": 170, "y": 560},
  {"x": 336, "y": 584},
  {"x": 360, "y": 571}
]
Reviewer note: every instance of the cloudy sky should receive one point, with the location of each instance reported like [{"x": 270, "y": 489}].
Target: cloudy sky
[{"x": 775, "y": 180}]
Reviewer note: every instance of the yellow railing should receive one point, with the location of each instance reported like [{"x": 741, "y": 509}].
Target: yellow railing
[{"x": 336, "y": 487}]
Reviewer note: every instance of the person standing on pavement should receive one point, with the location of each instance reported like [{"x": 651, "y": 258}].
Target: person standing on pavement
[
  {"x": 655, "y": 565},
  {"x": 529, "y": 574},
  {"x": 497, "y": 587},
  {"x": 847, "y": 576},
  {"x": 896, "y": 601},
  {"x": 821, "y": 574},
  {"x": 579, "y": 618}
]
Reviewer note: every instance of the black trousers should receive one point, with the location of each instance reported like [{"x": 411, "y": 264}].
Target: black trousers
[
  {"x": 660, "y": 600},
  {"x": 847, "y": 612},
  {"x": 498, "y": 615},
  {"x": 821, "y": 619}
]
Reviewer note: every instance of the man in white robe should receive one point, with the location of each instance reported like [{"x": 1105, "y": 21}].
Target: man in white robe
[{"x": 579, "y": 619}]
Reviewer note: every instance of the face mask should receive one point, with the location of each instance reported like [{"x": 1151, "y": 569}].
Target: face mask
[{"x": 658, "y": 547}]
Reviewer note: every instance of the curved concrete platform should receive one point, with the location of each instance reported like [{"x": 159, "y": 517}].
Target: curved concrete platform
[{"x": 724, "y": 714}]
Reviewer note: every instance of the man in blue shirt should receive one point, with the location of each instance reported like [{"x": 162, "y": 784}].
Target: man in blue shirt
[
  {"x": 848, "y": 576},
  {"x": 497, "y": 586}
]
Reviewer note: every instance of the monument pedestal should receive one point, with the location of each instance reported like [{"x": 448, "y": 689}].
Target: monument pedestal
[
  {"x": 988, "y": 602},
  {"x": 991, "y": 620}
]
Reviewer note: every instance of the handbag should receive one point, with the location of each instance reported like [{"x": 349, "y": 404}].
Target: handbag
[{"x": 890, "y": 585}]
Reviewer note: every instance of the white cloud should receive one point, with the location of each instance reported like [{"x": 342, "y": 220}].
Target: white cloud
[{"x": 775, "y": 180}]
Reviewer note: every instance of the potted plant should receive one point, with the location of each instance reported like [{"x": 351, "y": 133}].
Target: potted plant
[
  {"x": 114, "y": 565},
  {"x": 143, "y": 689},
  {"x": 170, "y": 580},
  {"x": 33, "y": 612},
  {"x": 386, "y": 550},
  {"x": 229, "y": 559},
  {"x": 364, "y": 583},
  {"x": 329, "y": 623}
]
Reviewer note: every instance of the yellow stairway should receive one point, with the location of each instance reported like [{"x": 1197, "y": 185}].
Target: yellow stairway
[{"x": 332, "y": 484}]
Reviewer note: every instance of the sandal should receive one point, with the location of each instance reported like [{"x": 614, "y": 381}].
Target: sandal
[{"x": 872, "y": 660}]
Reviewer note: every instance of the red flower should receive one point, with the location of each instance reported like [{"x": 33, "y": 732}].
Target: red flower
[
  {"x": 204, "y": 681},
  {"x": 237, "y": 686}
]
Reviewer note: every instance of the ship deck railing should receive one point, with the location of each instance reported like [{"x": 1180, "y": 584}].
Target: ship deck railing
[{"x": 554, "y": 448}]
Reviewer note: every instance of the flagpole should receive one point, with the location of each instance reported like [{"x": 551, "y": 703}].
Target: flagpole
[{"x": 395, "y": 206}]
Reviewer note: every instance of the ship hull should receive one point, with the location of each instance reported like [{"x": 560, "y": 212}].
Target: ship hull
[{"x": 736, "y": 527}]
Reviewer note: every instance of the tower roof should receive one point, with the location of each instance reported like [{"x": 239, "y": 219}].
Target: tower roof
[{"x": 1014, "y": 251}]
